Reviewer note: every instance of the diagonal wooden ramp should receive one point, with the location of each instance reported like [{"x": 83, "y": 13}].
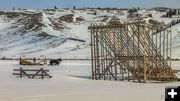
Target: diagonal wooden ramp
[{"x": 130, "y": 50}]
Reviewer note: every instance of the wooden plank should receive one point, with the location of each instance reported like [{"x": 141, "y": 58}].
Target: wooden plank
[
  {"x": 45, "y": 73},
  {"x": 29, "y": 70},
  {"x": 31, "y": 74},
  {"x": 117, "y": 25},
  {"x": 37, "y": 73}
]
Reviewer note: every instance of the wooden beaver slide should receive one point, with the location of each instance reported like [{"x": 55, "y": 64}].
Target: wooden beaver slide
[{"x": 131, "y": 50}]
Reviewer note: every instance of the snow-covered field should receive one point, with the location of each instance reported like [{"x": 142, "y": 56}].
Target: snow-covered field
[{"x": 70, "y": 83}]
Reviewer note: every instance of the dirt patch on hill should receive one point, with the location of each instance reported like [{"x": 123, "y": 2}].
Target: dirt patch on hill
[
  {"x": 79, "y": 18},
  {"x": 30, "y": 21},
  {"x": 67, "y": 18},
  {"x": 10, "y": 14},
  {"x": 56, "y": 24},
  {"x": 134, "y": 15}
]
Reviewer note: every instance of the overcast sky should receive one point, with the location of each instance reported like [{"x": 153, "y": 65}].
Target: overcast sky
[{"x": 30, "y": 4}]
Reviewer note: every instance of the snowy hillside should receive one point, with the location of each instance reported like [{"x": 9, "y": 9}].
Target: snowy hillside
[{"x": 59, "y": 33}]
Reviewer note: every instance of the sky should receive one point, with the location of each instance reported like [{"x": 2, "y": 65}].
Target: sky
[{"x": 34, "y": 4}]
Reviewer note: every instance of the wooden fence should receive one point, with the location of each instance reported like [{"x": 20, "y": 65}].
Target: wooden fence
[{"x": 32, "y": 73}]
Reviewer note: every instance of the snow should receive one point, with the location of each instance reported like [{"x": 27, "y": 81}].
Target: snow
[
  {"x": 15, "y": 43},
  {"x": 70, "y": 83}
]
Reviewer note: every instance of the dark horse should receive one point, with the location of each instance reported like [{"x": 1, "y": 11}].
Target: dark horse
[{"x": 55, "y": 61}]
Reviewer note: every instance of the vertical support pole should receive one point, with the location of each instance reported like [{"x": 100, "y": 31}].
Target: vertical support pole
[
  {"x": 135, "y": 54},
  {"x": 167, "y": 45},
  {"x": 164, "y": 41},
  {"x": 106, "y": 57},
  {"x": 170, "y": 72},
  {"x": 145, "y": 68},
  {"x": 104, "y": 60},
  {"x": 152, "y": 47},
  {"x": 92, "y": 60},
  {"x": 160, "y": 43},
  {"x": 101, "y": 59},
  {"x": 156, "y": 69},
  {"x": 94, "y": 49},
  {"x": 115, "y": 46},
  {"x": 138, "y": 58},
  {"x": 128, "y": 54}
]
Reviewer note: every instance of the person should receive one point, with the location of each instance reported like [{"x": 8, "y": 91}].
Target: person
[
  {"x": 45, "y": 61},
  {"x": 34, "y": 60},
  {"x": 20, "y": 60}
]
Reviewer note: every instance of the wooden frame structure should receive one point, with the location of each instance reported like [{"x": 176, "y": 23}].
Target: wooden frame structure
[{"x": 130, "y": 50}]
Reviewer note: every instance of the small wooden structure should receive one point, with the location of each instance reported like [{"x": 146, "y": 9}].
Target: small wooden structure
[
  {"x": 131, "y": 50},
  {"x": 32, "y": 73},
  {"x": 24, "y": 61}
]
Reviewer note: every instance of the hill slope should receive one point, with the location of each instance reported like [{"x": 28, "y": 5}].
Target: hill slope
[{"x": 58, "y": 33}]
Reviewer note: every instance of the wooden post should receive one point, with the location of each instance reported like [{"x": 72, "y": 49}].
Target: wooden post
[
  {"x": 170, "y": 51},
  {"x": 42, "y": 72},
  {"x": 21, "y": 71},
  {"x": 145, "y": 68},
  {"x": 92, "y": 56}
]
